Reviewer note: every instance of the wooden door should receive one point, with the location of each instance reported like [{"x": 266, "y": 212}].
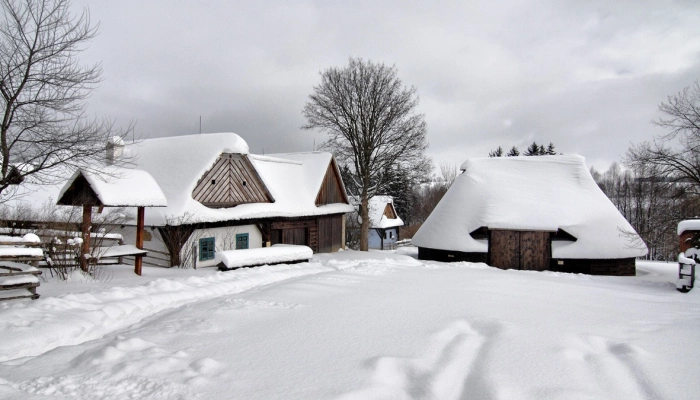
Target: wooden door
[
  {"x": 526, "y": 250},
  {"x": 330, "y": 232},
  {"x": 504, "y": 249},
  {"x": 534, "y": 250}
]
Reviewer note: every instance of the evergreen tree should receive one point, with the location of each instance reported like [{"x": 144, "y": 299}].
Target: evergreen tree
[
  {"x": 514, "y": 152},
  {"x": 533, "y": 149},
  {"x": 497, "y": 153}
]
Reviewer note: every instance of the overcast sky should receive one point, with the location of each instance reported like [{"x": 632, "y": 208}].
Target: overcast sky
[{"x": 586, "y": 75}]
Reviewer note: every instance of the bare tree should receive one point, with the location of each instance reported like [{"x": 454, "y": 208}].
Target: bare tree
[
  {"x": 371, "y": 122},
  {"x": 44, "y": 89},
  {"x": 675, "y": 154},
  {"x": 448, "y": 173}
]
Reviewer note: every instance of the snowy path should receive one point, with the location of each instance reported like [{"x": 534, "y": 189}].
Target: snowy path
[{"x": 393, "y": 329}]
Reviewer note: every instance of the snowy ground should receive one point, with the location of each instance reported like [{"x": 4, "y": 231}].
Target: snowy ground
[{"x": 355, "y": 326}]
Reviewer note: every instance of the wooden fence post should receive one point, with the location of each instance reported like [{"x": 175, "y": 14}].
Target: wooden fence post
[
  {"x": 85, "y": 232},
  {"x": 138, "y": 260}
]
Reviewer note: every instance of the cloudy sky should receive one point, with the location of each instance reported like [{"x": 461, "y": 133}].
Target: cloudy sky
[{"x": 587, "y": 75}]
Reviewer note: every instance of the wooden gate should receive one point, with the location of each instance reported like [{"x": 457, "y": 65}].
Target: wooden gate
[{"x": 527, "y": 250}]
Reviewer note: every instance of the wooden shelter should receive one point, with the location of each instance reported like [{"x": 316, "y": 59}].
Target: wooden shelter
[
  {"x": 530, "y": 213},
  {"x": 117, "y": 187},
  {"x": 688, "y": 231}
]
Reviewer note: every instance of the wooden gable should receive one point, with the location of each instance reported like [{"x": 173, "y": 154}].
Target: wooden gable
[
  {"x": 231, "y": 181},
  {"x": 80, "y": 193},
  {"x": 332, "y": 189},
  {"x": 389, "y": 211}
]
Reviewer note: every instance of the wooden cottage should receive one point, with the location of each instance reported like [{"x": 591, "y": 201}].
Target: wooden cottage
[
  {"x": 384, "y": 223},
  {"x": 530, "y": 213},
  {"x": 221, "y": 197}
]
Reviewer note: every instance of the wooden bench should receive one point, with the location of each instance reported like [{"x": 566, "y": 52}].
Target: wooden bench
[{"x": 15, "y": 276}]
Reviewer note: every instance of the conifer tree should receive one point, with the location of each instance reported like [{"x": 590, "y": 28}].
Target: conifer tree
[
  {"x": 514, "y": 152},
  {"x": 497, "y": 153},
  {"x": 533, "y": 149}
]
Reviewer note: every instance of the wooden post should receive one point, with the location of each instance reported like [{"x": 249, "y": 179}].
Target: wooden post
[
  {"x": 138, "y": 262},
  {"x": 85, "y": 231}
]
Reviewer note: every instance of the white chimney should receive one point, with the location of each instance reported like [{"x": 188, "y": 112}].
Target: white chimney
[{"x": 115, "y": 149}]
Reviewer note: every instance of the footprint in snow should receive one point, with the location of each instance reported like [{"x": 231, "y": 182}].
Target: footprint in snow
[
  {"x": 614, "y": 366},
  {"x": 440, "y": 373}
]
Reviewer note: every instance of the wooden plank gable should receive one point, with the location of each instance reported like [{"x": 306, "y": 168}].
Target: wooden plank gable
[
  {"x": 79, "y": 193},
  {"x": 332, "y": 189},
  {"x": 231, "y": 181},
  {"x": 389, "y": 211}
]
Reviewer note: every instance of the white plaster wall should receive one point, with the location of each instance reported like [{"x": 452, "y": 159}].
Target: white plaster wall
[
  {"x": 374, "y": 241},
  {"x": 224, "y": 238}
]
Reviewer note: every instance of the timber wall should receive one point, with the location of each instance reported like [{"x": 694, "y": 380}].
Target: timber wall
[{"x": 425, "y": 253}]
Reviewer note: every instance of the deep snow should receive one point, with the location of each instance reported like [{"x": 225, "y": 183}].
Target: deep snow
[{"x": 355, "y": 326}]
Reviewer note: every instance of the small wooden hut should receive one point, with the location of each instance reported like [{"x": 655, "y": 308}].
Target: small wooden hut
[
  {"x": 530, "y": 213},
  {"x": 688, "y": 232}
]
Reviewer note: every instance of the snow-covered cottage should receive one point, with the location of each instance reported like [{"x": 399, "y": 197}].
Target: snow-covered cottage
[
  {"x": 532, "y": 213},
  {"x": 221, "y": 197},
  {"x": 384, "y": 223}
]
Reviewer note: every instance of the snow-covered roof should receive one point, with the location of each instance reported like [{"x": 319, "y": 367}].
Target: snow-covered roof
[
  {"x": 688, "y": 225},
  {"x": 377, "y": 219},
  {"x": 530, "y": 193},
  {"x": 121, "y": 187},
  {"x": 177, "y": 163}
]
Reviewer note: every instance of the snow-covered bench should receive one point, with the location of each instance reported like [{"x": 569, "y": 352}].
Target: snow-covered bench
[
  {"x": 18, "y": 281},
  {"x": 277, "y": 254}
]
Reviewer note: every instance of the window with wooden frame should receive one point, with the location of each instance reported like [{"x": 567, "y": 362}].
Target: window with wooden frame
[
  {"x": 241, "y": 241},
  {"x": 207, "y": 249}
]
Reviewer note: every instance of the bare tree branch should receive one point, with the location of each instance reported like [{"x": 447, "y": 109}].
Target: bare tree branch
[{"x": 43, "y": 90}]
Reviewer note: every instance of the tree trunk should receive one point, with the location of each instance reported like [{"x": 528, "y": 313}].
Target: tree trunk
[{"x": 364, "y": 227}]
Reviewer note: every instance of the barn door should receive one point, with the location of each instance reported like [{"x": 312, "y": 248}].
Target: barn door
[
  {"x": 535, "y": 251},
  {"x": 504, "y": 249},
  {"x": 527, "y": 250}
]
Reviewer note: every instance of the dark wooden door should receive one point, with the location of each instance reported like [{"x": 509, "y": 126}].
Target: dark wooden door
[
  {"x": 330, "y": 230},
  {"x": 527, "y": 250},
  {"x": 534, "y": 251},
  {"x": 504, "y": 249}
]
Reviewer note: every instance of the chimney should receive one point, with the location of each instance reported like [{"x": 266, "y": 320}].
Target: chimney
[{"x": 115, "y": 149}]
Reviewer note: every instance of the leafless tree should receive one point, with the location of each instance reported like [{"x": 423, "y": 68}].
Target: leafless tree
[
  {"x": 676, "y": 154},
  {"x": 372, "y": 124},
  {"x": 44, "y": 90},
  {"x": 653, "y": 205},
  {"x": 448, "y": 173}
]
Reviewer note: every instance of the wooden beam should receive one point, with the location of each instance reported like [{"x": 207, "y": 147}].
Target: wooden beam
[
  {"x": 85, "y": 233},
  {"x": 138, "y": 260}
]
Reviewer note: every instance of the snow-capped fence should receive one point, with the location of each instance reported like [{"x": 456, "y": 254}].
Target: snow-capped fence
[
  {"x": 18, "y": 279},
  {"x": 277, "y": 254},
  {"x": 686, "y": 274}
]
